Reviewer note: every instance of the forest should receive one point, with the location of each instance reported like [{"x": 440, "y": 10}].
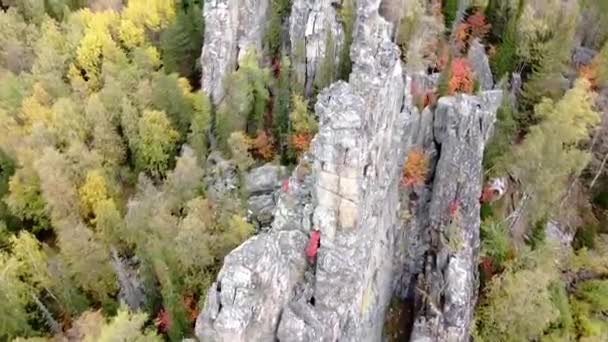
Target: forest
[{"x": 105, "y": 135}]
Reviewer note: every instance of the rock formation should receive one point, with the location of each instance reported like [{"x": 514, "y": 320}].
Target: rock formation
[
  {"x": 378, "y": 239},
  {"x": 232, "y": 27},
  {"x": 314, "y": 30}
]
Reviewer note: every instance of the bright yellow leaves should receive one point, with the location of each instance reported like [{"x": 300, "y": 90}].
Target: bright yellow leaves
[
  {"x": 92, "y": 192},
  {"x": 130, "y": 35},
  {"x": 151, "y": 14}
]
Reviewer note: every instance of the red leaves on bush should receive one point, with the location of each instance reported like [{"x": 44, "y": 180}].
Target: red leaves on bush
[
  {"x": 461, "y": 79},
  {"x": 162, "y": 321},
  {"x": 262, "y": 146},
  {"x": 301, "y": 142},
  {"x": 478, "y": 25},
  {"x": 415, "y": 169},
  {"x": 475, "y": 26}
]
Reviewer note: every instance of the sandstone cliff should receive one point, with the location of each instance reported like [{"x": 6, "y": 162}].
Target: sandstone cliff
[{"x": 379, "y": 240}]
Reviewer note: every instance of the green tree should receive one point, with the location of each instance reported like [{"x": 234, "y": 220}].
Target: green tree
[
  {"x": 347, "y": 18},
  {"x": 281, "y": 108},
  {"x": 279, "y": 11},
  {"x": 14, "y": 296},
  {"x": 549, "y": 154},
  {"x": 182, "y": 41},
  {"x": 26, "y": 201},
  {"x": 155, "y": 143},
  {"x": 200, "y": 124},
  {"x": 245, "y": 102},
  {"x": 518, "y": 305},
  {"x": 326, "y": 73}
]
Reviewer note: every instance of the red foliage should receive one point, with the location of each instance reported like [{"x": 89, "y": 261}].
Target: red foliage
[
  {"x": 276, "y": 67},
  {"x": 313, "y": 246},
  {"x": 416, "y": 168},
  {"x": 262, "y": 146},
  {"x": 453, "y": 208},
  {"x": 461, "y": 79},
  {"x": 487, "y": 268},
  {"x": 163, "y": 321},
  {"x": 478, "y": 25},
  {"x": 301, "y": 142}
]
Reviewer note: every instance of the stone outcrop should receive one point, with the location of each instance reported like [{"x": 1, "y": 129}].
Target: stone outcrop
[
  {"x": 481, "y": 66},
  {"x": 261, "y": 186},
  {"x": 232, "y": 27},
  {"x": 257, "y": 279},
  {"x": 221, "y": 176},
  {"x": 378, "y": 239},
  {"x": 312, "y": 25},
  {"x": 446, "y": 287}
]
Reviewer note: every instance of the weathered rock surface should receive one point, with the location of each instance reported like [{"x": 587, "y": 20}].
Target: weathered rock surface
[
  {"x": 232, "y": 27},
  {"x": 131, "y": 289},
  {"x": 377, "y": 240},
  {"x": 261, "y": 185},
  {"x": 221, "y": 176},
  {"x": 312, "y": 25},
  {"x": 481, "y": 66},
  {"x": 257, "y": 279},
  {"x": 447, "y": 286}
]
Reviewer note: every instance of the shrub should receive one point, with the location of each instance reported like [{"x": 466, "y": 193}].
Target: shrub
[
  {"x": 416, "y": 168},
  {"x": 461, "y": 77}
]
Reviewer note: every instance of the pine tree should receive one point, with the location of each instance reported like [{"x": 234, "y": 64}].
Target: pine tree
[
  {"x": 182, "y": 41},
  {"x": 281, "y": 108}
]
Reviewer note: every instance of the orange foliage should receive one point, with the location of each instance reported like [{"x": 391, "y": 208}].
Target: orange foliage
[
  {"x": 262, "y": 146},
  {"x": 301, "y": 142},
  {"x": 416, "y": 168},
  {"x": 461, "y": 36},
  {"x": 461, "y": 79},
  {"x": 191, "y": 307},
  {"x": 478, "y": 25},
  {"x": 590, "y": 72}
]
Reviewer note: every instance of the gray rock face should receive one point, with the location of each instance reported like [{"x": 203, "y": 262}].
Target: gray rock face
[
  {"x": 481, "y": 66},
  {"x": 447, "y": 286},
  {"x": 131, "y": 289},
  {"x": 261, "y": 184},
  {"x": 257, "y": 279},
  {"x": 232, "y": 27},
  {"x": 377, "y": 239},
  {"x": 311, "y": 24},
  {"x": 221, "y": 176}
]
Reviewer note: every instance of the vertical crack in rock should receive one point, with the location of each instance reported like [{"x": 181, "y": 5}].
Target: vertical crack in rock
[
  {"x": 357, "y": 162},
  {"x": 448, "y": 282},
  {"x": 232, "y": 27},
  {"x": 310, "y": 24}
]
